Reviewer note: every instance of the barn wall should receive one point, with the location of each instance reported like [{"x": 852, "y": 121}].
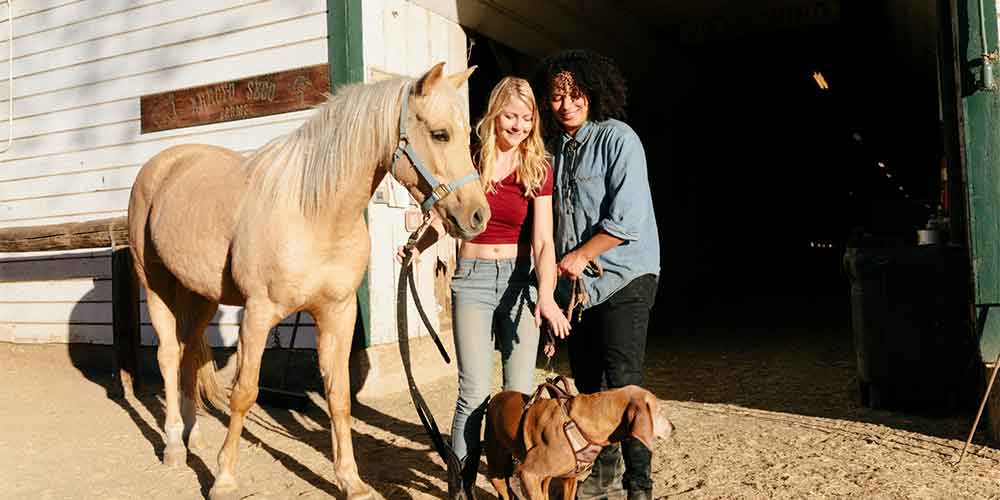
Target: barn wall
[
  {"x": 80, "y": 68},
  {"x": 404, "y": 38}
]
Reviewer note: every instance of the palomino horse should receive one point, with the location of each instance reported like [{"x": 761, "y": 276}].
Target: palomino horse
[{"x": 283, "y": 231}]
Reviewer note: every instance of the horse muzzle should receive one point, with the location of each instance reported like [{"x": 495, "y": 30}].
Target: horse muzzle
[{"x": 470, "y": 226}]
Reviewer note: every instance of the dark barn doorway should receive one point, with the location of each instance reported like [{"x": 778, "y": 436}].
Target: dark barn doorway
[
  {"x": 774, "y": 130},
  {"x": 774, "y": 141}
]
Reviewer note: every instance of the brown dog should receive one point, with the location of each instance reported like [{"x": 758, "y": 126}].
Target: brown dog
[{"x": 536, "y": 440}]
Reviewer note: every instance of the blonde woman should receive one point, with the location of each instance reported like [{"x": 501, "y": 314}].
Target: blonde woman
[{"x": 495, "y": 301}]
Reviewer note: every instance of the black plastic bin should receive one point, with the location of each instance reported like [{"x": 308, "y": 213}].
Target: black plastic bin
[{"x": 910, "y": 317}]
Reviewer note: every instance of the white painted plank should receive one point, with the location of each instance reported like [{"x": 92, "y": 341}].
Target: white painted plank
[
  {"x": 438, "y": 31},
  {"x": 394, "y": 33},
  {"x": 225, "y": 45},
  {"x": 24, "y": 9},
  {"x": 66, "y": 204},
  {"x": 56, "y": 312},
  {"x": 416, "y": 47},
  {"x": 77, "y": 140},
  {"x": 187, "y": 74},
  {"x": 372, "y": 37},
  {"x": 446, "y": 9},
  {"x": 47, "y": 122},
  {"x": 114, "y": 178},
  {"x": 33, "y": 39},
  {"x": 55, "y": 269},
  {"x": 68, "y": 13},
  {"x": 150, "y": 44},
  {"x": 86, "y": 290},
  {"x": 242, "y": 135}
]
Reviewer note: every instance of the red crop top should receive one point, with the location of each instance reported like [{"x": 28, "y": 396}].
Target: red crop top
[{"x": 510, "y": 222}]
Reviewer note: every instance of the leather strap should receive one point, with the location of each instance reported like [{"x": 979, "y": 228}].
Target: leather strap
[{"x": 585, "y": 450}]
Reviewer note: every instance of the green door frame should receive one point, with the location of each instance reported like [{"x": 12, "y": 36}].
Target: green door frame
[
  {"x": 978, "y": 128},
  {"x": 346, "y": 61}
]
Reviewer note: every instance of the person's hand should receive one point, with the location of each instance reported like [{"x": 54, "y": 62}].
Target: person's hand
[
  {"x": 548, "y": 310},
  {"x": 401, "y": 254},
  {"x": 572, "y": 265}
]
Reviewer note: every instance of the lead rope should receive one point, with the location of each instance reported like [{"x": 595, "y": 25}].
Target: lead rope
[{"x": 452, "y": 463}]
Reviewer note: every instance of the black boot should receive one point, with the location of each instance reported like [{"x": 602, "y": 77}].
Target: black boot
[
  {"x": 640, "y": 494},
  {"x": 605, "y": 479},
  {"x": 470, "y": 471},
  {"x": 638, "y": 479}
]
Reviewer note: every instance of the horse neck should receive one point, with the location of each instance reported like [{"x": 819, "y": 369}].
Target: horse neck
[{"x": 346, "y": 149}]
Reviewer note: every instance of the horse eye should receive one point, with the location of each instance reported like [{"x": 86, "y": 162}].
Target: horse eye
[{"x": 440, "y": 135}]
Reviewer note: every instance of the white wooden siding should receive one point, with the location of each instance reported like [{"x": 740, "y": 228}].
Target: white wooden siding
[
  {"x": 402, "y": 38},
  {"x": 80, "y": 67}
]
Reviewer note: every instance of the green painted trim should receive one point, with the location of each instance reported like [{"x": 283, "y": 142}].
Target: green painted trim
[
  {"x": 346, "y": 58},
  {"x": 344, "y": 45},
  {"x": 980, "y": 127}
]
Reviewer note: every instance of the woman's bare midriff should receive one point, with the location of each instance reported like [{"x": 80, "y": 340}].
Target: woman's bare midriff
[{"x": 494, "y": 251}]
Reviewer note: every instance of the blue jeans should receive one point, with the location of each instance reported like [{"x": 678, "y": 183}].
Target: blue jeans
[{"x": 493, "y": 304}]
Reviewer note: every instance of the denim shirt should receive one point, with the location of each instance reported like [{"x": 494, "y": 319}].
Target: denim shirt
[{"x": 601, "y": 184}]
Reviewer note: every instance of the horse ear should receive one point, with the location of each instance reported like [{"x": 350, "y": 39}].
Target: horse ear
[
  {"x": 431, "y": 78},
  {"x": 456, "y": 80}
]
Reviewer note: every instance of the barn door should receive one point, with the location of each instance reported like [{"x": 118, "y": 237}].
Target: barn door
[{"x": 977, "y": 122}]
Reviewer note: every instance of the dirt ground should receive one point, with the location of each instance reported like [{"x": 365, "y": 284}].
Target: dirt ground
[{"x": 766, "y": 413}]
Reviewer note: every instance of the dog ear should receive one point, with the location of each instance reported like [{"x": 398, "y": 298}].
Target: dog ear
[{"x": 640, "y": 417}]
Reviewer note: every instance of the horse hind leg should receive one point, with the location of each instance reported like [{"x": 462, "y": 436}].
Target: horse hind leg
[
  {"x": 159, "y": 302},
  {"x": 197, "y": 366}
]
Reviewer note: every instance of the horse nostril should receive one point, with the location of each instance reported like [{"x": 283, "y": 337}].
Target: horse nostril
[{"x": 479, "y": 218}]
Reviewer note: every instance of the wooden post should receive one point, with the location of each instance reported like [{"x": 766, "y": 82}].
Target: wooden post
[
  {"x": 100, "y": 233},
  {"x": 125, "y": 297}
]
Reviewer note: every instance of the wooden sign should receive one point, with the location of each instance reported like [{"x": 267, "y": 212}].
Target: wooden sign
[{"x": 261, "y": 95}]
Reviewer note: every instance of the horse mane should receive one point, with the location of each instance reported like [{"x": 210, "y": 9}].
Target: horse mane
[{"x": 354, "y": 129}]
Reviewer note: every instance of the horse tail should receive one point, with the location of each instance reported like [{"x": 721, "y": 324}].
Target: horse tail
[{"x": 208, "y": 387}]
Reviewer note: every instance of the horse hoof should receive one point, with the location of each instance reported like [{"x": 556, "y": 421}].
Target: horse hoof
[
  {"x": 358, "y": 491},
  {"x": 174, "y": 456},
  {"x": 367, "y": 494},
  {"x": 224, "y": 492}
]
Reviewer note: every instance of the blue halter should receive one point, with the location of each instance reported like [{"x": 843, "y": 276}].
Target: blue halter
[{"x": 438, "y": 190}]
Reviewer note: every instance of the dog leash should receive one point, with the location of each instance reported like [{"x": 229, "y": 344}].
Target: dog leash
[{"x": 578, "y": 296}]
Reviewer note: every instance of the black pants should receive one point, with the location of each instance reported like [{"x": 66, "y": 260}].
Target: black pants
[{"x": 608, "y": 345}]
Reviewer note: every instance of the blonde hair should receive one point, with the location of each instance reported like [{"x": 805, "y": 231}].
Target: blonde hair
[{"x": 532, "y": 168}]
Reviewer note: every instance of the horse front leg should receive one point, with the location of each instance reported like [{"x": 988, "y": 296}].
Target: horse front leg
[
  {"x": 335, "y": 326},
  {"x": 258, "y": 318}
]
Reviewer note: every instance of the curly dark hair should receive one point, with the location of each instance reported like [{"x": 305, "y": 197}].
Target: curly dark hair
[{"x": 595, "y": 75}]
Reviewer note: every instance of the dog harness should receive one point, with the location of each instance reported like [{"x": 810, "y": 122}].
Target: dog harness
[{"x": 585, "y": 450}]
